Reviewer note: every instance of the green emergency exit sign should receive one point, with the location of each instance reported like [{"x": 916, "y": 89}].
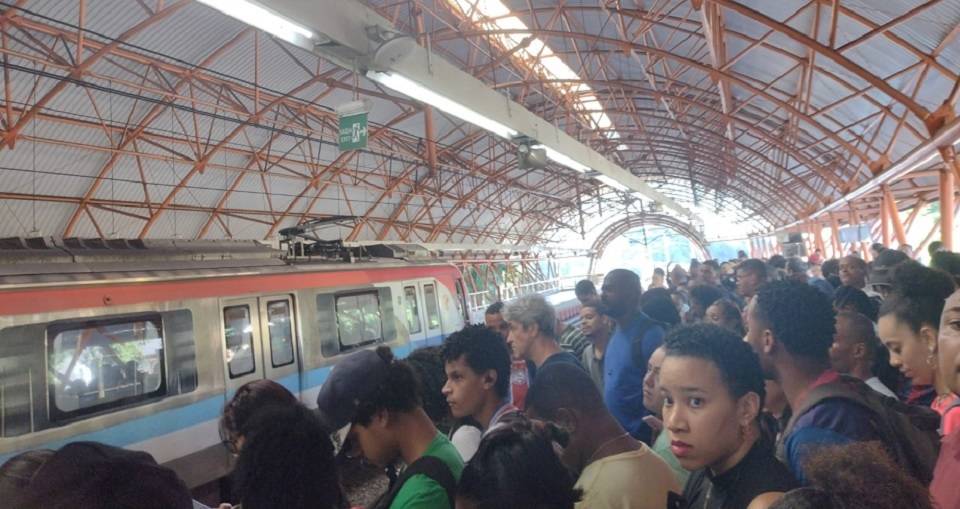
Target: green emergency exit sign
[{"x": 353, "y": 131}]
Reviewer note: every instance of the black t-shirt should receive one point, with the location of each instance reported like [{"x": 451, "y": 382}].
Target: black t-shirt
[
  {"x": 563, "y": 356},
  {"x": 757, "y": 473}
]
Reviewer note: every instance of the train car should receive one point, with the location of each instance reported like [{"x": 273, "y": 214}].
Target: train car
[
  {"x": 140, "y": 343},
  {"x": 566, "y": 304}
]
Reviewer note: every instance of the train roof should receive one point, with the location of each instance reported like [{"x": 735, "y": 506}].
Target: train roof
[{"x": 47, "y": 261}]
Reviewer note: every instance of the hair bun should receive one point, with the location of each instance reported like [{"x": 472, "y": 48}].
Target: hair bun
[{"x": 911, "y": 279}]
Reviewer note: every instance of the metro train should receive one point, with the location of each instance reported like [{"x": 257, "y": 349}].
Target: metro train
[{"x": 140, "y": 343}]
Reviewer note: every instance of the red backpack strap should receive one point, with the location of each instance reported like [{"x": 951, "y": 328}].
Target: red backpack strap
[{"x": 953, "y": 406}]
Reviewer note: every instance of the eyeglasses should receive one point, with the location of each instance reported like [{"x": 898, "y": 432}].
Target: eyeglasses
[
  {"x": 231, "y": 446},
  {"x": 230, "y": 441}
]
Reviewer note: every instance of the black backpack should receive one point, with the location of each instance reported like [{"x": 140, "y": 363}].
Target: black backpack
[
  {"x": 430, "y": 466},
  {"x": 908, "y": 432}
]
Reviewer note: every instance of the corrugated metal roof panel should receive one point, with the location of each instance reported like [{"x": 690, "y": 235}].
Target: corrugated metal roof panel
[{"x": 186, "y": 37}]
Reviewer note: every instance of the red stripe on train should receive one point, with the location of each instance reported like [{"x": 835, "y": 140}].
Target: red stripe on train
[{"x": 40, "y": 300}]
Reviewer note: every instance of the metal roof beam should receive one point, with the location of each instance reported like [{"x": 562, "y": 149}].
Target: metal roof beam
[
  {"x": 344, "y": 25},
  {"x": 924, "y": 154},
  {"x": 833, "y": 54}
]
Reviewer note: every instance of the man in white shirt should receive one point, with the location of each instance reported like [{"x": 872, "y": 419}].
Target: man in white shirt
[
  {"x": 477, "y": 364},
  {"x": 855, "y": 348}
]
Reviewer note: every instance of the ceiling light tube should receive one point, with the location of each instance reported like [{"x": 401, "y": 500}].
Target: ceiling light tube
[
  {"x": 260, "y": 17},
  {"x": 423, "y": 94}
]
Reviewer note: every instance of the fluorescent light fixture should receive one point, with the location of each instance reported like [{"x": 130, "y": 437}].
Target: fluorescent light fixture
[
  {"x": 423, "y": 94},
  {"x": 260, "y": 17},
  {"x": 516, "y": 39},
  {"x": 610, "y": 181}
]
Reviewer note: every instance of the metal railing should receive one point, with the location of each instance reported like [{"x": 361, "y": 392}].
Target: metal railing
[{"x": 477, "y": 302}]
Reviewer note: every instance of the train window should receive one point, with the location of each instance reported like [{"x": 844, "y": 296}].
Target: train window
[
  {"x": 238, "y": 334},
  {"x": 433, "y": 309},
  {"x": 102, "y": 363},
  {"x": 358, "y": 320},
  {"x": 412, "y": 311},
  {"x": 281, "y": 333}
]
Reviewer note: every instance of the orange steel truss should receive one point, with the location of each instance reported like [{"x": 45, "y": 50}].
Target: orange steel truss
[{"x": 766, "y": 110}]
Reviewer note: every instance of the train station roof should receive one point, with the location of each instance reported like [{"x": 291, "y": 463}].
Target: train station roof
[{"x": 172, "y": 119}]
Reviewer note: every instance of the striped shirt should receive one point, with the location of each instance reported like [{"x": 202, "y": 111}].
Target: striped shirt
[{"x": 572, "y": 340}]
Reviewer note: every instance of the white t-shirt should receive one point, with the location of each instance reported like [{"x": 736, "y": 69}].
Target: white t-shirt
[
  {"x": 629, "y": 480},
  {"x": 466, "y": 439}
]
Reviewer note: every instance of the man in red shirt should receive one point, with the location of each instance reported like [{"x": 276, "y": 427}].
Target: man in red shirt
[{"x": 816, "y": 258}]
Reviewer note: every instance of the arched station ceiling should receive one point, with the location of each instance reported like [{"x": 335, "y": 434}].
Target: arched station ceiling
[
  {"x": 125, "y": 118},
  {"x": 635, "y": 221}
]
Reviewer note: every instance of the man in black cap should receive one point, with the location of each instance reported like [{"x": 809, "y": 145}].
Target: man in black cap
[
  {"x": 374, "y": 401},
  {"x": 881, "y": 270}
]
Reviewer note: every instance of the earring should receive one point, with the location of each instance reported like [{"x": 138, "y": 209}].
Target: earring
[{"x": 932, "y": 358}]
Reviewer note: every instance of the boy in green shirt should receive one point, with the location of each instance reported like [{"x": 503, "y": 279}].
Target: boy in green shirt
[{"x": 374, "y": 401}]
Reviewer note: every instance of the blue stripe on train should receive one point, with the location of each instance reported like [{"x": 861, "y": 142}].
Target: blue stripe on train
[
  {"x": 143, "y": 428},
  {"x": 169, "y": 421}
]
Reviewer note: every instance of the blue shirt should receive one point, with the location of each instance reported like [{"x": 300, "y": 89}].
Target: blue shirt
[
  {"x": 823, "y": 285},
  {"x": 832, "y": 422},
  {"x": 623, "y": 379}
]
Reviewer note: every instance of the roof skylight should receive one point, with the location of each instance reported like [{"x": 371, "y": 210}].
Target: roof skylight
[{"x": 493, "y": 15}]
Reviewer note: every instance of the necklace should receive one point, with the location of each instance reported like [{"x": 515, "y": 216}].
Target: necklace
[{"x": 608, "y": 442}]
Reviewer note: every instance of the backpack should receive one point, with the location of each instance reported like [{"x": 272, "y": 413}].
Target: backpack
[
  {"x": 908, "y": 432},
  {"x": 430, "y": 466}
]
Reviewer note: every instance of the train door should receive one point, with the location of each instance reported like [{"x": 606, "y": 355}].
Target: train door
[
  {"x": 413, "y": 313},
  {"x": 431, "y": 305},
  {"x": 260, "y": 342},
  {"x": 279, "y": 342}
]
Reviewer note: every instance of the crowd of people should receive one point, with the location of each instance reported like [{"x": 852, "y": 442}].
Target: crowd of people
[{"x": 749, "y": 384}]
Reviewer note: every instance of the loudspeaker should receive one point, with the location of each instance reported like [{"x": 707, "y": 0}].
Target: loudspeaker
[
  {"x": 789, "y": 238},
  {"x": 529, "y": 157},
  {"x": 794, "y": 249},
  {"x": 392, "y": 51}
]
